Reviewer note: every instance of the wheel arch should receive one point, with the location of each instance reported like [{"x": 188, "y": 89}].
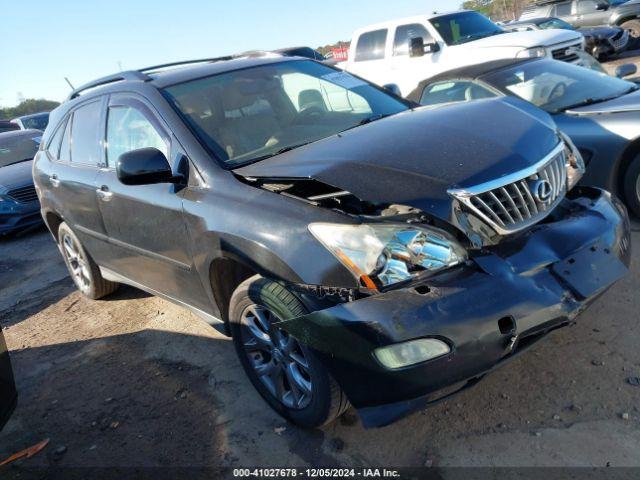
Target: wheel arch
[
  {"x": 628, "y": 155},
  {"x": 237, "y": 260},
  {"x": 53, "y": 220},
  {"x": 623, "y": 18}
]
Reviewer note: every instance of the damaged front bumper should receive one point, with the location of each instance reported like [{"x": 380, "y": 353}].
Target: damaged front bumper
[{"x": 502, "y": 301}]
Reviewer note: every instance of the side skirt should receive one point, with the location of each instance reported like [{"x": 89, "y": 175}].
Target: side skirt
[{"x": 116, "y": 277}]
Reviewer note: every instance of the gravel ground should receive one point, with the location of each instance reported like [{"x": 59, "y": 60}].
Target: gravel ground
[{"x": 134, "y": 381}]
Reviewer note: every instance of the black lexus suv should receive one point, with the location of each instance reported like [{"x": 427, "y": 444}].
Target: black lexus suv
[{"x": 360, "y": 250}]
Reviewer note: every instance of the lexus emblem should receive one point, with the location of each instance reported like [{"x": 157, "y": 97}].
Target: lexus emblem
[{"x": 541, "y": 190}]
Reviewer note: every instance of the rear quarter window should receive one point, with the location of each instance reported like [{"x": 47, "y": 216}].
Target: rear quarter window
[
  {"x": 371, "y": 46},
  {"x": 84, "y": 134}
]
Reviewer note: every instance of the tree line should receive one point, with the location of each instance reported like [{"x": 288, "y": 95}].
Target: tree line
[
  {"x": 26, "y": 107},
  {"x": 498, "y": 10}
]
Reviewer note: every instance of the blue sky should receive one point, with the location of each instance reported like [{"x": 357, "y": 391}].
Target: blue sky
[{"x": 45, "y": 40}]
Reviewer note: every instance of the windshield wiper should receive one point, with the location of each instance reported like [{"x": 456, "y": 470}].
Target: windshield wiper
[
  {"x": 273, "y": 154},
  {"x": 588, "y": 101},
  {"x": 370, "y": 119}
]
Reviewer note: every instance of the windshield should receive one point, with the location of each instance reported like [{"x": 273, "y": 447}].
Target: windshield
[
  {"x": 555, "y": 23},
  {"x": 556, "y": 86},
  {"x": 16, "y": 147},
  {"x": 251, "y": 114},
  {"x": 464, "y": 27},
  {"x": 37, "y": 122}
]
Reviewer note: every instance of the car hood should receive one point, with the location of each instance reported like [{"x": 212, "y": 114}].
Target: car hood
[
  {"x": 625, "y": 103},
  {"x": 527, "y": 39},
  {"x": 16, "y": 175},
  {"x": 599, "y": 32},
  {"x": 413, "y": 158}
]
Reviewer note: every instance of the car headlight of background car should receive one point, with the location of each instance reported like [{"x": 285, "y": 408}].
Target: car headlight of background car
[
  {"x": 531, "y": 52},
  {"x": 383, "y": 254},
  {"x": 574, "y": 162}
]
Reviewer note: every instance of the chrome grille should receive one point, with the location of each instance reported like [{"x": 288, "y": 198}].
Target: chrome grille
[
  {"x": 23, "y": 194},
  {"x": 620, "y": 40},
  {"x": 566, "y": 54},
  {"x": 521, "y": 199}
]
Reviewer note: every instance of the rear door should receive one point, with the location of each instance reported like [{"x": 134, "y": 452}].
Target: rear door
[
  {"x": 566, "y": 12},
  {"x": 147, "y": 233},
  {"x": 370, "y": 54},
  {"x": 588, "y": 15},
  {"x": 74, "y": 174}
]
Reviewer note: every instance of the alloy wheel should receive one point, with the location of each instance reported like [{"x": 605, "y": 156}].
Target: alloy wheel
[
  {"x": 78, "y": 266},
  {"x": 276, "y": 358}
]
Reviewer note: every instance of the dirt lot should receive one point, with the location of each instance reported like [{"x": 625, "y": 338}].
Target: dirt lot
[{"x": 133, "y": 380}]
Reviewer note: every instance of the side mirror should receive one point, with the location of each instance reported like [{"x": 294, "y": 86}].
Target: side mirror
[
  {"x": 625, "y": 70},
  {"x": 144, "y": 166},
  {"x": 602, "y": 6},
  {"x": 416, "y": 47},
  {"x": 393, "y": 88}
]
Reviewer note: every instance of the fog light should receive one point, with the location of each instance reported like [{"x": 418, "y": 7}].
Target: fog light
[{"x": 412, "y": 352}]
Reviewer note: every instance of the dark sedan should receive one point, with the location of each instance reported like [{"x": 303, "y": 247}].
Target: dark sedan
[
  {"x": 19, "y": 206},
  {"x": 598, "y": 112},
  {"x": 601, "y": 42}
]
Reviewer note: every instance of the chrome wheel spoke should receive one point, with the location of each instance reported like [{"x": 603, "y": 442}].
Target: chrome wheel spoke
[
  {"x": 300, "y": 360},
  {"x": 276, "y": 358},
  {"x": 263, "y": 369},
  {"x": 257, "y": 343},
  {"x": 261, "y": 319},
  {"x": 298, "y": 379}
]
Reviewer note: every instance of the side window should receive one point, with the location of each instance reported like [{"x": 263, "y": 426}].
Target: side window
[
  {"x": 562, "y": 9},
  {"x": 84, "y": 134},
  {"x": 404, "y": 34},
  {"x": 450, "y": 91},
  {"x": 586, "y": 6},
  {"x": 129, "y": 129},
  {"x": 56, "y": 140},
  {"x": 371, "y": 46},
  {"x": 65, "y": 146}
]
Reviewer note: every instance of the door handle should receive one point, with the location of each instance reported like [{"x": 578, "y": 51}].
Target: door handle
[
  {"x": 54, "y": 180},
  {"x": 104, "y": 194}
]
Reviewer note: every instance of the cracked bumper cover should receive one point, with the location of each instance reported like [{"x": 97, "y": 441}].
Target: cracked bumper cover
[{"x": 539, "y": 280}]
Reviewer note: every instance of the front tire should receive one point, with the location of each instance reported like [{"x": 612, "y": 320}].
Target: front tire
[
  {"x": 83, "y": 270},
  {"x": 632, "y": 186},
  {"x": 287, "y": 374}
]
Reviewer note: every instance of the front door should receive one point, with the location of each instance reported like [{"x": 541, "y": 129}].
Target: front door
[
  {"x": 408, "y": 71},
  {"x": 144, "y": 223}
]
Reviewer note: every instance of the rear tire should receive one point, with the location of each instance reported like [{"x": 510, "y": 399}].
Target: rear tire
[
  {"x": 256, "y": 304},
  {"x": 634, "y": 32},
  {"x": 83, "y": 270},
  {"x": 632, "y": 186}
]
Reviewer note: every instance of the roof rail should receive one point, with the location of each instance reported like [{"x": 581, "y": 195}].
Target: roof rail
[
  {"x": 140, "y": 74},
  {"x": 185, "y": 62},
  {"x": 116, "y": 77}
]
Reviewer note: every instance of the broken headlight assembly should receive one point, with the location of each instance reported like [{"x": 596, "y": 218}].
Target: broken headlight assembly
[
  {"x": 573, "y": 161},
  {"x": 380, "y": 255}
]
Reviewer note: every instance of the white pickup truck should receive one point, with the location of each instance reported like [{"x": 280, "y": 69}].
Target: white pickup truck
[{"x": 404, "y": 52}]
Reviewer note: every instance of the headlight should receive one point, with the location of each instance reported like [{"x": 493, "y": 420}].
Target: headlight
[
  {"x": 412, "y": 352},
  {"x": 531, "y": 52},
  {"x": 384, "y": 254},
  {"x": 574, "y": 162}
]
